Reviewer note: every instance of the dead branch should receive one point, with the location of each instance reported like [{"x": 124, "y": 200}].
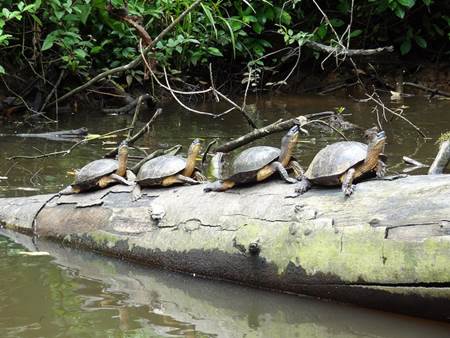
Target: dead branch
[
  {"x": 442, "y": 159},
  {"x": 277, "y": 126},
  {"x": 432, "y": 91},
  {"x": 136, "y": 136},
  {"x": 127, "y": 108},
  {"x": 348, "y": 52},
  {"x": 66, "y": 151},
  {"x": 133, "y": 63},
  {"x": 413, "y": 162}
]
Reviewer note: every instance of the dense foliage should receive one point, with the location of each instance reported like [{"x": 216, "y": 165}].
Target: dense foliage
[{"x": 81, "y": 36}]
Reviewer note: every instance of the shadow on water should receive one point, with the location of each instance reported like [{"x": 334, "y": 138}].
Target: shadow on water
[{"x": 74, "y": 293}]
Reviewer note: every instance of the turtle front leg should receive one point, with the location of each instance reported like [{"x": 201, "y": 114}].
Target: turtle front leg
[
  {"x": 199, "y": 177},
  {"x": 297, "y": 169},
  {"x": 347, "y": 180},
  {"x": 178, "y": 179},
  {"x": 303, "y": 186},
  {"x": 381, "y": 169},
  {"x": 277, "y": 166}
]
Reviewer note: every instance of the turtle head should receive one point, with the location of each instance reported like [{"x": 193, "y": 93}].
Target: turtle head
[
  {"x": 288, "y": 143},
  {"x": 194, "y": 150},
  {"x": 195, "y": 147},
  {"x": 376, "y": 141},
  {"x": 122, "y": 158}
]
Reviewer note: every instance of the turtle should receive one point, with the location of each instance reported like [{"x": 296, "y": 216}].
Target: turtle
[
  {"x": 343, "y": 162},
  {"x": 167, "y": 170},
  {"x": 101, "y": 173},
  {"x": 255, "y": 164}
]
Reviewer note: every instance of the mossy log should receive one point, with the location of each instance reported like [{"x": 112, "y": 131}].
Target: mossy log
[{"x": 387, "y": 246}]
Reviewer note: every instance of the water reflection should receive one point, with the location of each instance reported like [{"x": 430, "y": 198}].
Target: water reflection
[{"x": 73, "y": 293}]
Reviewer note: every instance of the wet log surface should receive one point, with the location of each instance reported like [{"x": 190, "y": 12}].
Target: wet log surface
[{"x": 387, "y": 246}]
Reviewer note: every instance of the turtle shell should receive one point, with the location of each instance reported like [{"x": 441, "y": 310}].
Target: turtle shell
[
  {"x": 334, "y": 160},
  {"x": 251, "y": 160},
  {"x": 160, "y": 167},
  {"x": 89, "y": 175}
]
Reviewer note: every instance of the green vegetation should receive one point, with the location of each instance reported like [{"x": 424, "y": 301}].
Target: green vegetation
[{"x": 82, "y": 37}]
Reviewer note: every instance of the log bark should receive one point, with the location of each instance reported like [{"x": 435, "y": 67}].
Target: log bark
[
  {"x": 386, "y": 247},
  {"x": 442, "y": 159}
]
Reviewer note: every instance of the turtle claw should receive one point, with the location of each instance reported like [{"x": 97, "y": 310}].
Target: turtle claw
[
  {"x": 348, "y": 190},
  {"x": 303, "y": 187}
]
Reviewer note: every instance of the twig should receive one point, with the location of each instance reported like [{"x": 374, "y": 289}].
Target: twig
[
  {"x": 328, "y": 125},
  {"x": 55, "y": 87},
  {"x": 433, "y": 91},
  {"x": 244, "y": 113},
  {"x": 135, "y": 116},
  {"x": 136, "y": 136},
  {"x": 381, "y": 104},
  {"x": 133, "y": 63}
]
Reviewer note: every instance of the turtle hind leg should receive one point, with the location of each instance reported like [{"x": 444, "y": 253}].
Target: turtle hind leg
[
  {"x": 347, "y": 180},
  {"x": 219, "y": 185},
  {"x": 167, "y": 181},
  {"x": 277, "y": 166}
]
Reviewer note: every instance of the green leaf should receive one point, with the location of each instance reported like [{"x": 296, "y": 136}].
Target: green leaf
[
  {"x": 214, "y": 51},
  {"x": 421, "y": 42},
  {"x": 85, "y": 10},
  {"x": 400, "y": 12},
  {"x": 405, "y": 47},
  {"x": 355, "y": 33},
  {"x": 210, "y": 17},
  {"x": 322, "y": 31},
  {"x": 2, "y": 70},
  {"x": 36, "y": 19},
  {"x": 407, "y": 3},
  {"x": 49, "y": 40}
]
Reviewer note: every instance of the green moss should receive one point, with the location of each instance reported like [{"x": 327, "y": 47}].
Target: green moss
[
  {"x": 444, "y": 137},
  {"x": 104, "y": 238}
]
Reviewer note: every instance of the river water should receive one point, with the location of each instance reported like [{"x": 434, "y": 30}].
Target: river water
[{"x": 70, "y": 293}]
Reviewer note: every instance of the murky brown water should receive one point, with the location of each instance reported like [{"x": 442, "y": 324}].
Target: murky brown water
[{"x": 74, "y": 294}]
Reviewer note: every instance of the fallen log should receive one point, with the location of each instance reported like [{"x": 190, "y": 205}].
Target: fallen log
[{"x": 385, "y": 247}]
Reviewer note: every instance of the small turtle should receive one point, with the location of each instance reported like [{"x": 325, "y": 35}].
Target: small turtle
[
  {"x": 343, "y": 162},
  {"x": 99, "y": 174},
  {"x": 259, "y": 163},
  {"x": 167, "y": 170}
]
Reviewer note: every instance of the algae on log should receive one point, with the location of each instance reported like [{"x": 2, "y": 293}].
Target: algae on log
[{"x": 387, "y": 246}]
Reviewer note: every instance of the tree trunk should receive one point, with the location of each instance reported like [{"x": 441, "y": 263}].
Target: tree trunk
[{"x": 387, "y": 246}]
